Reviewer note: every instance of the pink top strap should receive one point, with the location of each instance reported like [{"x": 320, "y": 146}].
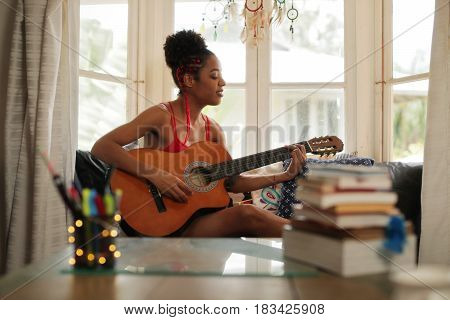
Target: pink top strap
[
  {"x": 177, "y": 145},
  {"x": 206, "y": 119},
  {"x": 174, "y": 124}
]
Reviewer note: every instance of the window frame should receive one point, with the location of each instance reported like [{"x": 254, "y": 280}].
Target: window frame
[
  {"x": 368, "y": 81},
  {"x": 131, "y": 80},
  {"x": 387, "y": 80},
  {"x": 258, "y": 92},
  {"x": 265, "y": 85}
]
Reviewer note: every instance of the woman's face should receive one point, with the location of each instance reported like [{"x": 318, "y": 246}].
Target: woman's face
[{"x": 208, "y": 89}]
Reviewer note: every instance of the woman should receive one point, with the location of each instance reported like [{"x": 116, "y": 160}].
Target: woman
[{"x": 175, "y": 125}]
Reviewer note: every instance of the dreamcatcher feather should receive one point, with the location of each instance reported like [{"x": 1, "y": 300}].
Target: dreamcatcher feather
[
  {"x": 233, "y": 10},
  {"x": 278, "y": 12},
  {"x": 256, "y": 20}
]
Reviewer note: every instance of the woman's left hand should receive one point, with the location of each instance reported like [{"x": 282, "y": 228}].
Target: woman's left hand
[{"x": 298, "y": 154}]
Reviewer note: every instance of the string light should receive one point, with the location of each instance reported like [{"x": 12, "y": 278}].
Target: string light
[{"x": 108, "y": 230}]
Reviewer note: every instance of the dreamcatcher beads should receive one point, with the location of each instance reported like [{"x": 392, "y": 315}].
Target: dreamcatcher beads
[{"x": 292, "y": 14}]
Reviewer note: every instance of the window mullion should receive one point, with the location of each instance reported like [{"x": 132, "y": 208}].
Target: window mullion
[
  {"x": 387, "y": 95},
  {"x": 132, "y": 108},
  {"x": 416, "y": 77},
  {"x": 264, "y": 62},
  {"x": 350, "y": 111},
  {"x": 308, "y": 85},
  {"x": 104, "y": 77},
  {"x": 251, "y": 100}
]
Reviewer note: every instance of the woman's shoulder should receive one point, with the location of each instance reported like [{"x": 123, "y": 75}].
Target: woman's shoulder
[{"x": 157, "y": 113}]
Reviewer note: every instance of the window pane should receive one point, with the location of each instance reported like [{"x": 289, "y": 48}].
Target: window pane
[
  {"x": 300, "y": 115},
  {"x": 412, "y": 48},
  {"x": 409, "y": 120},
  {"x": 103, "y": 37},
  {"x": 227, "y": 47},
  {"x": 230, "y": 114},
  {"x": 102, "y": 108},
  {"x": 315, "y": 51}
]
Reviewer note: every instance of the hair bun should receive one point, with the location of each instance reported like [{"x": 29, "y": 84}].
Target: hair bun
[{"x": 180, "y": 46}]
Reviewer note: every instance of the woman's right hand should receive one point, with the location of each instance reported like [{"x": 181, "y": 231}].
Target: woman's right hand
[{"x": 169, "y": 185}]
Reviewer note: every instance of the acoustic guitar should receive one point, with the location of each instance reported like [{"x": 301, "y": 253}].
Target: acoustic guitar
[{"x": 203, "y": 167}]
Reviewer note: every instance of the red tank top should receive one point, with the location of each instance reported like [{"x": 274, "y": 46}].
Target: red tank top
[{"x": 177, "y": 145}]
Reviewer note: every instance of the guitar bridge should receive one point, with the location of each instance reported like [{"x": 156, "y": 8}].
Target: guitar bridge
[{"x": 157, "y": 197}]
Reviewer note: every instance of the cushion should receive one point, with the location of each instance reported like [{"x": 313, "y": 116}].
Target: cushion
[
  {"x": 289, "y": 187},
  {"x": 91, "y": 172},
  {"x": 267, "y": 198},
  {"x": 407, "y": 183}
]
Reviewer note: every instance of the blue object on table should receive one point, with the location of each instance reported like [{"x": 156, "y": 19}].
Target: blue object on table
[{"x": 395, "y": 235}]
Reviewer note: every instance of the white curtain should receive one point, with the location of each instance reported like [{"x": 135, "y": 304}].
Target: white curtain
[
  {"x": 435, "y": 238},
  {"x": 40, "y": 115}
]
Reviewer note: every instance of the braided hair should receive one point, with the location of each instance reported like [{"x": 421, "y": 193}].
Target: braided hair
[{"x": 185, "y": 52}]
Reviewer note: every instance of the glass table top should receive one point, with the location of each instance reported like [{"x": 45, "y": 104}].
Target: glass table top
[{"x": 205, "y": 257}]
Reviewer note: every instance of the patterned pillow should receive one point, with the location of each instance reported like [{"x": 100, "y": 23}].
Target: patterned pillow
[
  {"x": 267, "y": 198},
  {"x": 289, "y": 187}
]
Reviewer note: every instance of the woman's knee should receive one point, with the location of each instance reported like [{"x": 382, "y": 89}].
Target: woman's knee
[{"x": 251, "y": 215}]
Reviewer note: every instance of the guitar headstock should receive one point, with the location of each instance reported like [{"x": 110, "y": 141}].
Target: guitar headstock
[{"x": 325, "y": 145}]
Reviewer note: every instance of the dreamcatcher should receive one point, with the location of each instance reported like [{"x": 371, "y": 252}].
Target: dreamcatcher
[
  {"x": 214, "y": 12},
  {"x": 232, "y": 8},
  {"x": 256, "y": 20},
  {"x": 292, "y": 14},
  {"x": 278, "y": 12}
]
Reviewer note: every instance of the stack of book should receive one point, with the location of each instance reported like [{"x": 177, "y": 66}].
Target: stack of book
[{"x": 341, "y": 224}]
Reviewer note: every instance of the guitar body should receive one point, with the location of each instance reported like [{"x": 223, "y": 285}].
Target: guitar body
[{"x": 139, "y": 207}]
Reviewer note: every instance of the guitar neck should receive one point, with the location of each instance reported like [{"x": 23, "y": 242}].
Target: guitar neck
[{"x": 234, "y": 167}]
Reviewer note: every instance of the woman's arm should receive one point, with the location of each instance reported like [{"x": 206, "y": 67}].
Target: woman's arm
[
  {"x": 109, "y": 147},
  {"x": 246, "y": 183}
]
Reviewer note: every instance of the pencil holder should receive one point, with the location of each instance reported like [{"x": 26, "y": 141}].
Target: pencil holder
[{"x": 93, "y": 239}]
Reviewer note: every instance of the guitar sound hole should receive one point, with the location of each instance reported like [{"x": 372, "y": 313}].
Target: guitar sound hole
[{"x": 199, "y": 177}]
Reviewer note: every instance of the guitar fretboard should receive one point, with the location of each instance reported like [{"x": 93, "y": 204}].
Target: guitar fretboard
[{"x": 234, "y": 167}]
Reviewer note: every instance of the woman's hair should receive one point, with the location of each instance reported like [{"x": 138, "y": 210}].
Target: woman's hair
[{"x": 185, "y": 52}]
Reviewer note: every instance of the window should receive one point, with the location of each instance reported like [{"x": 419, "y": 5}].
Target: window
[
  {"x": 231, "y": 114},
  {"x": 407, "y": 77},
  {"x": 103, "y": 68},
  {"x": 307, "y": 74},
  {"x": 290, "y": 88}
]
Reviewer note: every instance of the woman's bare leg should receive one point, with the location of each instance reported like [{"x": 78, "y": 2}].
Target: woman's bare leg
[{"x": 239, "y": 221}]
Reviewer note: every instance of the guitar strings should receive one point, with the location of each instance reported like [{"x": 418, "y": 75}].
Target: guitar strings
[{"x": 240, "y": 165}]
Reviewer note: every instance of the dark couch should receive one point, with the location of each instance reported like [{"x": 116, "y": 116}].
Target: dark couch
[{"x": 407, "y": 182}]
